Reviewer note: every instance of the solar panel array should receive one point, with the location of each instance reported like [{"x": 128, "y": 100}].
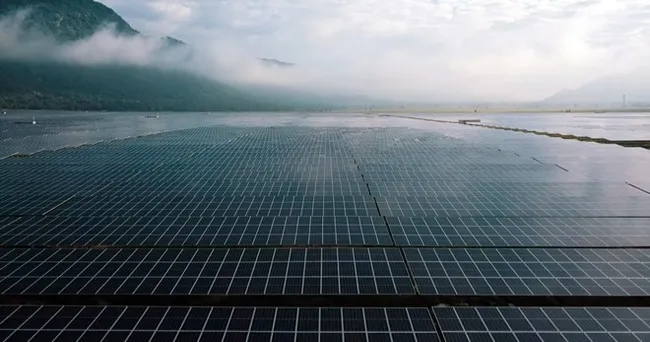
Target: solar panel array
[
  {"x": 543, "y": 324},
  {"x": 197, "y": 231},
  {"x": 518, "y": 271},
  {"x": 205, "y": 271},
  {"x": 113, "y": 323},
  {"x": 318, "y": 219}
]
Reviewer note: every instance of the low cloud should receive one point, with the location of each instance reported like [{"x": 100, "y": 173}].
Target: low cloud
[
  {"x": 104, "y": 47},
  {"x": 419, "y": 50},
  {"x": 221, "y": 61},
  {"x": 422, "y": 49}
]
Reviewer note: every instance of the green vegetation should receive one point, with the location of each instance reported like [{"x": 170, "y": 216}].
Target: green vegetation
[
  {"x": 48, "y": 85},
  {"x": 67, "y": 20}
]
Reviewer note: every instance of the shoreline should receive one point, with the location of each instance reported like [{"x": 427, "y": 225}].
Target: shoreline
[{"x": 501, "y": 111}]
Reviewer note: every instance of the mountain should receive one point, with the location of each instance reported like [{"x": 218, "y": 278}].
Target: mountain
[
  {"x": 66, "y": 20},
  {"x": 48, "y": 84},
  {"x": 45, "y": 85},
  {"x": 608, "y": 90},
  {"x": 275, "y": 62}
]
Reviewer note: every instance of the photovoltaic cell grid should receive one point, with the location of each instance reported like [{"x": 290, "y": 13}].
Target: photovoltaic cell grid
[
  {"x": 503, "y": 189},
  {"x": 467, "y": 207},
  {"x": 76, "y": 323},
  {"x": 191, "y": 206},
  {"x": 29, "y": 204},
  {"x": 84, "y": 170},
  {"x": 452, "y": 175},
  {"x": 159, "y": 323},
  {"x": 235, "y": 188},
  {"x": 314, "y": 174},
  {"x": 543, "y": 324},
  {"x": 202, "y": 231},
  {"x": 430, "y": 174},
  {"x": 519, "y": 231},
  {"x": 86, "y": 182},
  {"x": 195, "y": 165},
  {"x": 344, "y": 271},
  {"x": 481, "y": 271},
  {"x": 87, "y": 169}
]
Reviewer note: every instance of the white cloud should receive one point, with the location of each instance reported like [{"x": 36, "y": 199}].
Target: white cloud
[
  {"x": 498, "y": 49},
  {"x": 411, "y": 49},
  {"x": 171, "y": 10},
  {"x": 103, "y": 47}
]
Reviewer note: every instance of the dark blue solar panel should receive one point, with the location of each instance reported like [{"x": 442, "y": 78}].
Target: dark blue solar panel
[
  {"x": 190, "y": 206},
  {"x": 543, "y": 324},
  {"x": 27, "y": 204},
  {"x": 204, "y": 271},
  {"x": 527, "y": 207},
  {"x": 204, "y": 231},
  {"x": 481, "y": 271},
  {"x": 491, "y": 189},
  {"x": 519, "y": 231},
  {"x": 254, "y": 324}
]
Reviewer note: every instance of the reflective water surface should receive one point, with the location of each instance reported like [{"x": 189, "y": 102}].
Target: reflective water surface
[{"x": 612, "y": 126}]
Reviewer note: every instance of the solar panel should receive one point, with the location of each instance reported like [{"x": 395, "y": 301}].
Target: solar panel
[
  {"x": 519, "y": 231},
  {"x": 543, "y": 323},
  {"x": 448, "y": 188},
  {"x": 568, "y": 272},
  {"x": 452, "y": 176},
  {"x": 24, "y": 204},
  {"x": 49, "y": 188},
  {"x": 204, "y": 271},
  {"x": 235, "y": 188},
  {"x": 201, "y": 231},
  {"x": 160, "y": 323},
  {"x": 165, "y": 205},
  {"x": 459, "y": 207}
]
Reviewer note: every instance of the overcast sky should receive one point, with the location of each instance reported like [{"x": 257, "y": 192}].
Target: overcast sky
[{"x": 419, "y": 49}]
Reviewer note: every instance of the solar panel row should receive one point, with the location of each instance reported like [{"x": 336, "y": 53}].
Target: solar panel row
[
  {"x": 204, "y": 271},
  {"x": 455, "y": 271},
  {"x": 614, "y": 272},
  {"x": 73, "y": 323},
  {"x": 94, "y": 323},
  {"x": 324, "y": 230},
  {"x": 519, "y": 231},
  {"x": 543, "y": 324},
  {"x": 203, "y": 231},
  {"x": 437, "y": 187}
]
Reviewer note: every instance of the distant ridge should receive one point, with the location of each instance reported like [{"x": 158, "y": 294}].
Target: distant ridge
[
  {"x": 67, "y": 20},
  {"x": 608, "y": 90},
  {"x": 275, "y": 62}
]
